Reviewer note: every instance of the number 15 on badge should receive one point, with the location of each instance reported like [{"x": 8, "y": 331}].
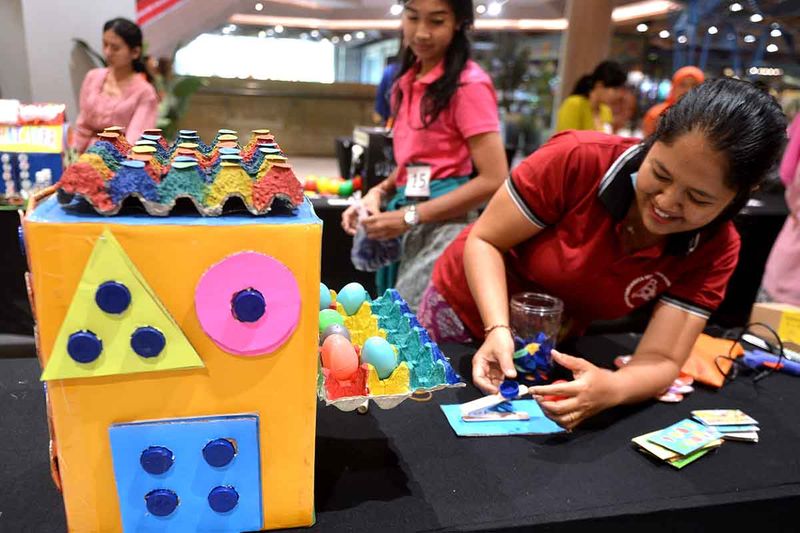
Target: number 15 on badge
[{"x": 418, "y": 181}]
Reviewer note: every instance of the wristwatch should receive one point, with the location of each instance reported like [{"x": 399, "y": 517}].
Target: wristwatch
[{"x": 410, "y": 216}]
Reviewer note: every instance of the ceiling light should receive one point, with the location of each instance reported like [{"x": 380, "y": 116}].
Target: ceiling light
[
  {"x": 682, "y": 39},
  {"x": 480, "y": 9},
  {"x": 772, "y": 47},
  {"x": 775, "y": 32},
  {"x": 315, "y": 33},
  {"x": 259, "y": 6},
  {"x": 712, "y": 30},
  {"x": 664, "y": 34},
  {"x": 736, "y": 6},
  {"x": 753, "y": 70},
  {"x": 494, "y": 9},
  {"x": 641, "y": 28},
  {"x": 360, "y": 35},
  {"x": 335, "y": 39},
  {"x": 749, "y": 38},
  {"x": 262, "y": 34},
  {"x": 278, "y": 29},
  {"x": 755, "y": 17},
  {"x": 396, "y": 9},
  {"x": 347, "y": 37}
]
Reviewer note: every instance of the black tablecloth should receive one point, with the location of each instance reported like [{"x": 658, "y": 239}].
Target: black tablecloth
[{"x": 405, "y": 470}]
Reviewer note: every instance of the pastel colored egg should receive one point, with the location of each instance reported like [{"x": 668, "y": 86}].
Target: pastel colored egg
[
  {"x": 325, "y": 299},
  {"x": 334, "y": 329},
  {"x": 339, "y": 357},
  {"x": 352, "y": 296},
  {"x": 379, "y": 353},
  {"x": 328, "y": 317}
]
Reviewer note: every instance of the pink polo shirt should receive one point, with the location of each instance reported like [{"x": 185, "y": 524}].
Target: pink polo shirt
[
  {"x": 443, "y": 144},
  {"x": 136, "y": 109}
]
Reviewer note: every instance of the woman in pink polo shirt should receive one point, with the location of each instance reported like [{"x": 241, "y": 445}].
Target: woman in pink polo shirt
[
  {"x": 121, "y": 93},
  {"x": 607, "y": 224},
  {"x": 445, "y": 119}
]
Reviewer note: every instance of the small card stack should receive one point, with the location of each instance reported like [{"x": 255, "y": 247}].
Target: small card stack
[
  {"x": 680, "y": 443},
  {"x": 732, "y": 423}
]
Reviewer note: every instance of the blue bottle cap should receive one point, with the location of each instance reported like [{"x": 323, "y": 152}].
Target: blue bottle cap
[
  {"x": 147, "y": 341},
  {"x": 133, "y": 163},
  {"x": 185, "y": 159},
  {"x": 248, "y": 305},
  {"x": 183, "y": 133},
  {"x": 161, "y": 502},
  {"x": 112, "y": 297},
  {"x": 146, "y": 142},
  {"x": 229, "y": 151},
  {"x": 148, "y": 137},
  {"x": 84, "y": 346},
  {"x": 156, "y": 459},
  {"x": 223, "y": 499},
  {"x": 509, "y": 389},
  {"x": 219, "y": 452}
]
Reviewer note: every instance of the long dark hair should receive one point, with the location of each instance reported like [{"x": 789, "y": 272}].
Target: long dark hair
[
  {"x": 609, "y": 73},
  {"x": 129, "y": 32},
  {"x": 740, "y": 121},
  {"x": 438, "y": 94}
]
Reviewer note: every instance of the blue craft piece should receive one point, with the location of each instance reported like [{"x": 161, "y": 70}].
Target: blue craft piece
[
  {"x": 147, "y": 341},
  {"x": 133, "y": 163},
  {"x": 185, "y": 159},
  {"x": 112, "y": 297},
  {"x": 185, "y": 133},
  {"x": 156, "y": 460},
  {"x": 190, "y": 478},
  {"x": 223, "y": 499},
  {"x": 149, "y": 137},
  {"x": 84, "y": 346},
  {"x": 219, "y": 452},
  {"x": 229, "y": 151},
  {"x": 248, "y": 305},
  {"x": 509, "y": 389},
  {"x": 231, "y": 157},
  {"x": 161, "y": 502}
]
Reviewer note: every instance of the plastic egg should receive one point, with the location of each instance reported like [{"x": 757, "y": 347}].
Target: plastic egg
[
  {"x": 352, "y": 296},
  {"x": 310, "y": 185},
  {"x": 379, "y": 353},
  {"x": 339, "y": 357},
  {"x": 328, "y": 317},
  {"x": 345, "y": 188},
  {"x": 325, "y": 299},
  {"x": 334, "y": 329}
]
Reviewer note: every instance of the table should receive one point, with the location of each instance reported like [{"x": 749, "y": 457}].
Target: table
[{"x": 405, "y": 470}]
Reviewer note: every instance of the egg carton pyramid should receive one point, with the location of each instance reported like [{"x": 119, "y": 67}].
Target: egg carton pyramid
[
  {"x": 421, "y": 367},
  {"x": 159, "y": 173}
]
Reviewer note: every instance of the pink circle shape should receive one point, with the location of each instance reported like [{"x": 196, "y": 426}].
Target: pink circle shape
[{"x": 267, "y": 275}]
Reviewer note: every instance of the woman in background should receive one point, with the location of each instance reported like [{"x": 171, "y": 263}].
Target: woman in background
[
  {"x": 682, "y": 81},
  {"x": 120, "y": 94},
  {"x": 587, "y": 108}
]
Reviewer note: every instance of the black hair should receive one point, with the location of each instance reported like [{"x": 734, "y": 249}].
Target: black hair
[
  {"x": 740, "y": 121},
  {"x": 129, "y": 32},
  {"x": 438, "y": 94},
  {"x": 584, "y": 85}
]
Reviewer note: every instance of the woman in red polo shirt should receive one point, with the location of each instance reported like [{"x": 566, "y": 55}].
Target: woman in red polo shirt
[
  {"x": 607, "y": 224},
  {"x": 445, "y": 118}
]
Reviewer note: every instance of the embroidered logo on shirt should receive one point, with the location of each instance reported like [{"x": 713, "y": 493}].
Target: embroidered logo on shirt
[{"x": 645, "y": 288}]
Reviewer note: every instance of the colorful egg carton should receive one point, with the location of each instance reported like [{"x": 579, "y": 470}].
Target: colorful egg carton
[
  {"x": 421, "y": 368},
  {"x": 159, "y": 174}
]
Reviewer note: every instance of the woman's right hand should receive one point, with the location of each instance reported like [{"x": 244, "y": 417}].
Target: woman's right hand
[
  {"x": 493, "y": 363},
  {"x": 371, "y": 202}
]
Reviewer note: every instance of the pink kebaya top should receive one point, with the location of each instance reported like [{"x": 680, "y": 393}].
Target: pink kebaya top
[{"x": 135, "y": 110}]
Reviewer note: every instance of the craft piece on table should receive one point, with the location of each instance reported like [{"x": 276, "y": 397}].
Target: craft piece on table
[
  {"x": 665, "y": 454},
  {"x": 188, "y": 474},
  {"x": 116, "y": 324},
  {"x": 484, "y": 408},
  {"x": 277, "y": 314},
  {"x": 685, "y": 437},
  {"x": 536, "y": 424},
  {"x": 723, "y": 417}
]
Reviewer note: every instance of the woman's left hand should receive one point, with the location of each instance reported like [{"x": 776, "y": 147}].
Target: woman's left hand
[
  {"x": 386, "y": 225},
  {"x": 570, "y": 403}
]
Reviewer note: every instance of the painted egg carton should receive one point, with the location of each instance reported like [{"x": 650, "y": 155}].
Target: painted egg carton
[
  {"x": 422, "y": 367},
  {"x": 159, "y": 175}
]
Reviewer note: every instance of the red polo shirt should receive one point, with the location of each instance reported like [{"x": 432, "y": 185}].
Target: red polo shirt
[{"x": 578, "y": 188}]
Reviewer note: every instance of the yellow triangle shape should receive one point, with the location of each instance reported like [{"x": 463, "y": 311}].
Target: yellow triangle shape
[{"x": 109, "y": 262}]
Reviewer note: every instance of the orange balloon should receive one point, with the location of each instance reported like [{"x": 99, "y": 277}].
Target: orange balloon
[{"x": 339, "y": 357}]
